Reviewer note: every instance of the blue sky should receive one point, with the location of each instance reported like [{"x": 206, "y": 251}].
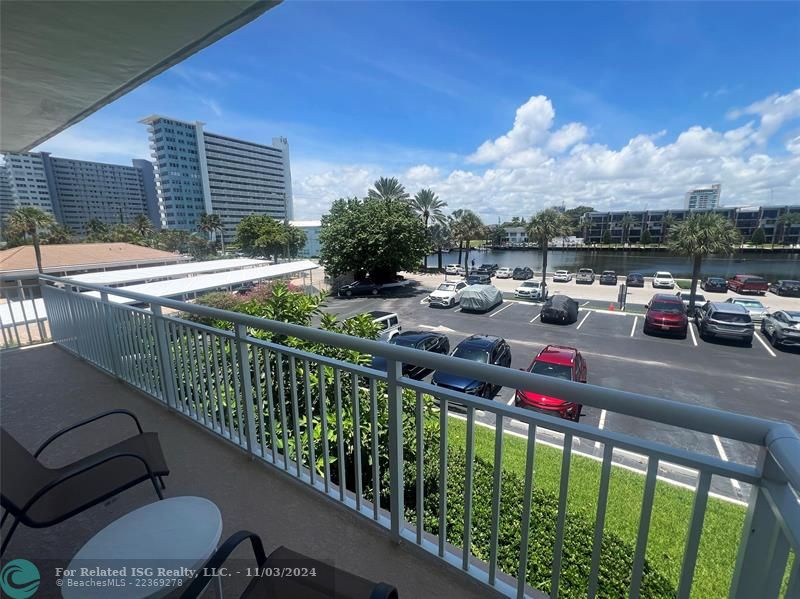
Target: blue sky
[{"x": 504, "y": 108}]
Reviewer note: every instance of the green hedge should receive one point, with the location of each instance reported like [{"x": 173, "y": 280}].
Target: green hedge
[{"x": 616, "y": 561}]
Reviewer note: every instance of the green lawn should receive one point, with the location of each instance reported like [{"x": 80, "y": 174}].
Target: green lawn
[{"x": 672, "y": 508}]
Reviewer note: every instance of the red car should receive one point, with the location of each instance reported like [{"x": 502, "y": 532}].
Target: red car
[
  {"x": 748, "y": 284},
  {"x": 563, "y": 363},
  {"x": 666, "y": 314}
]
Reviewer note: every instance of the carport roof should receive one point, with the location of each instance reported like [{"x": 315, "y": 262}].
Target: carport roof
[{"x": 62, "y": 61}]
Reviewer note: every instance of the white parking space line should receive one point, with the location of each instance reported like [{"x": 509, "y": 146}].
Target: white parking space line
[
  {"x": 459, "y": 309},
  {"x": 584, "y": 303},
  {"x": 764, "y": 343},
  {"x": 633, "y": 328},
  {"x": 582, "y": 321},
  {"x": 694, "y": 337},
  {"x": 724, "y": 457},
  {"x": 535, "y": 317},
  {"x": 496, "y": 312},
  {"x": 510, "y": 402},
  {"x": 602, "y": 423}
]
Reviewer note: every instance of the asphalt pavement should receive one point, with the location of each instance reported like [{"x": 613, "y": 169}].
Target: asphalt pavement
[{"x": 757, "y": 380}]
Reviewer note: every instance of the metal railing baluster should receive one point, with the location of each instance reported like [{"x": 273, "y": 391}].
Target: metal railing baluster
[
  {"x": 693, "y": 535},
  {"x": 644, "y": 527},
  {"x": 563, "y": 492},
  {"x": 600, "y": 519},
  {"x": 522, "y": 573}
]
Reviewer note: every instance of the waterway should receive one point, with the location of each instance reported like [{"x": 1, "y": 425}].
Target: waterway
[{"x": 768, "y": 265}]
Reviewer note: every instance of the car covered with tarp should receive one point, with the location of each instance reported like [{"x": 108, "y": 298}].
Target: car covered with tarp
[{"x": 480, "y": 298}]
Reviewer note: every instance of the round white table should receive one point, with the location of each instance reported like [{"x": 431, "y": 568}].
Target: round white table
[{"x": 145, "y": 552}]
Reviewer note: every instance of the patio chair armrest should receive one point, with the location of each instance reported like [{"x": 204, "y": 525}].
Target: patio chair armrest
[
  {"x": 85, "y": 422},
  {"x": 90, "y": 466},
  {"x": 213, "y": 563}
]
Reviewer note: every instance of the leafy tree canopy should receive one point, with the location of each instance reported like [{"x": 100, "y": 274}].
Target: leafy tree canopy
[
  {"x": 261, "y": 235},
  {"x": 377, "y": 236}
]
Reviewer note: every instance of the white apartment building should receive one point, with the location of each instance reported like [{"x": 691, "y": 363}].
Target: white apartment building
[{"x": 703, "y": 198}]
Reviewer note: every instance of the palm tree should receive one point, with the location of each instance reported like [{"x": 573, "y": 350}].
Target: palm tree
[
  {"x": 440, "y": 235},
  {"x": 96, "y": 229},
  {"x": 627, "y": 222},
  {"x": 428, "y": 205},
  {"x": 57, "y": 234},
  {"x": 702, "y": 234},
  {"x": 786, "y": 221},
  {"x": 466, "y": 226},
  {"x": 27, "y": 221},
  {"x": 387, "y": 189},
  {"x": 543, "y": 227},
  {"x": 666, "y": 225},
  {"x": 142, "y": 225},
  {"x": 210, "y": 224}
]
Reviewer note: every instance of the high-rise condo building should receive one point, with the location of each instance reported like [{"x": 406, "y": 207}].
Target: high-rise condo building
[
  {"x": 703, "y": 198},
  {"x": 76, "y": 191},
  {"x": 200, "y": 172}
]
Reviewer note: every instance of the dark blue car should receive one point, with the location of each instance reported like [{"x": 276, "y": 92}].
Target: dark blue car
[
  {"x": 435, "y": 342},
  {"x": 478, "y": 348}
]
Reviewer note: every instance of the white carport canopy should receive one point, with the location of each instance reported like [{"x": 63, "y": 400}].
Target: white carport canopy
[
  {"x": 169, "y": 271},
  {"x": 209, "y": 282},
  {"x": 62, "y": 61}
]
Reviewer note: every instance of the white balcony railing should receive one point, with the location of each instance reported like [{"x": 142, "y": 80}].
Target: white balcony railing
[{"x": 261, "y": 396}]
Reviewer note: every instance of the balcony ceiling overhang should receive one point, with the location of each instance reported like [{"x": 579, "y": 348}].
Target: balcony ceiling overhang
[{"x": 63, "y": 60}]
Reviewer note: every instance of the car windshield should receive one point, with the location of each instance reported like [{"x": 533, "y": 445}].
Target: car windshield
[
  {"x": 667, "y": 307},
  {"x": 688, "y": 296},
  {"x": 754, "y": 280},
  {"x": 749, "y": 303},
  {"x": 663, "y": 275},
  {"x": 469, "y": 352},
  {"x": 608, "y": 272},
  {"x": 406, "y": 341},
  {"x": 586, "y": 271},
  {"x": 530, "y": 284},
  {"x": 793, "y": 315},
  {"x": 715, "y": 280},
  {"x": 730, "y": 317},
  {"x": 446, "y": 287},
  {"x": 789, "y": 282},
  {"x": 559, "y": 371}
]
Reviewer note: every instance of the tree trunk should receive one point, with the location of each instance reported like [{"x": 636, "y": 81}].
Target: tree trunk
[
  {"x": 460, "y": 245},
  {"x": 466, "y": 256},
  {"x": 440, "y": 257},
  {"x": 37, "y": 250},
  {"x": 544, "y": 261},
  {"x": 222, "y": 240},
  {"x": 695, "y": 276}
]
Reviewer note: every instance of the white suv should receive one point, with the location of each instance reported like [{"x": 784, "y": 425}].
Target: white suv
[
  {"x": 562, "y": 276},
  {"x": 447, "y": 294},
  {"x": 532, "y": 290},
  {"x": 663, "y": 280},
  {"x": 388, "y": 322},
  {"x": 454, "y": 269},
  {"x": 504, "y": 273}
]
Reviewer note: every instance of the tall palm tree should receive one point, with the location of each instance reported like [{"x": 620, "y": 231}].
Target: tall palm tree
[
  {"x": 466, "y": 226},
  {"x": 428, "y": 205},
  {"x": 440, "y": 235},
  {"x": 142, "y": 225},
  {"x": 210, "y": 224},
  {"x": 785, "y": 221},
  {"x": 543, "y": 227},
  {"x": 387, "y": 189},
  {"x": 627, "y": 222},
  {"x": 29, "y": 220},
  {"x": 666, "y": 226},
  {"x": 702, "y": 234}
]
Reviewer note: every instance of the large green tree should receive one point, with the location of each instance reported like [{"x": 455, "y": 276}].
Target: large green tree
[
  {"x": 387, "y": 189},
  {"x": 646, "y": 238},
  {"x": 440, "y": 239},
  {"x": 429, "y": 207},
  {"x": 759, "y": 237},
  {"x": 377, "y": 236},
  {"x": 627, "y": 222},
  {"x": 29, "y": 221},
  {"x": 210, "y": 224},
  {"x": 143, "y": 225},
  {"x": 466, "y": 226},
  {"x": 261, "y": 235},
  {"x": 575, "y": 216},
  {"x": 546, "y": 225},
  {"x": 700, "y": 235},
  {"x": 58, "y": 234},
  {"x": 786, "y": 221}
]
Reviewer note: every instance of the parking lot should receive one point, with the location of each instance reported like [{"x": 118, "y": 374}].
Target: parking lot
[{"x": 758, "y": 380}]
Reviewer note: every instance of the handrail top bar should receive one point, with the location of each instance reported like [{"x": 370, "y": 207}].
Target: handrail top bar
[{"x": 748, "y": 429}]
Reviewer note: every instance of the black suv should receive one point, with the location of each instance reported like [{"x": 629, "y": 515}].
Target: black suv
[
  {"x": 717, "y": 284},
  {"x": 635, "y": 279},
  {"x": 609, "y": 277},
  {"x": 479, "y": 279},
  {"x": 522, "y": 273},
  {"x": 491, "y": 268},
  {"x": 785, "y": 287}
]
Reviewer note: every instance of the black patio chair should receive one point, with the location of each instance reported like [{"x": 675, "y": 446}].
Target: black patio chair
[
  {"x": 326, "y": 583},
  {"x": 38, "y": 496}
]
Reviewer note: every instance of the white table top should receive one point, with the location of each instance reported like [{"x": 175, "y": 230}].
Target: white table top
[{"x": 174, "y": 533}]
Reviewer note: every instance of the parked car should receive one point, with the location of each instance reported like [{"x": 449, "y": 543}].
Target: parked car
[
  {"x": 506, "y": 272},
  {"x": 480, "y": 298},
  {"x": 609, "y": 277},
  {"x": 715, "y": 284},
  {"x": 492, "y": 268},
  {"x": 585, "y": 275},
  {"x": 748, "y": 284},
  {"x": 426, "y": 341},
  {"x": 362, "y": 287},
  {"x": 532, "y": 290},
  {"x": 562, "y": 276},
  {"x": 487, "y": 349},
  {"x": 663, "y": 280},
  {"x": 754, "y": 307},
  {"x": 559, "y": 308},
  {"x": 447, "y": 295},
  {"x": 388, "y": 322},
  {"x": 721, "y": 319},
  {"x": 666, "y": 314},
  {"x": 454, "y": 269},
  {"x": 699, "y": 299},
  {"x": 786, "y": 287},
  {"x": 782, "y": 328},
  {"x": 481, "y": 270},
  {"x": 476, "y": 278},
  {"x": 635, "y": 279},
  {"x": 560, "y": 362},
  {"x": 522, "y": 273}
]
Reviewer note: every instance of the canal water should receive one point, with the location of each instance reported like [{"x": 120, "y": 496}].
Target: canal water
[{"x": 768, "y": 265}]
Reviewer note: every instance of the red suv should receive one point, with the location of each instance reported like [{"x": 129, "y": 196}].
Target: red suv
[
  {"x": 563, "y": 363},
  {"x": 748, "y": 284},
  {"x": 666, "y": 314}
]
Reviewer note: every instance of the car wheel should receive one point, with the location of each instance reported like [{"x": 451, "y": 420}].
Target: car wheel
[
  {"x": 374, "y": 292},
  {"x": 764, "y": 330},
  {"x": 452, "y": 302},
  {"x": 773, "y": 341},
  {"x": 348, "y": 293}
]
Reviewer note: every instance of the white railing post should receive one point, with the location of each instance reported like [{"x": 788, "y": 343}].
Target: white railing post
[
  {"x": 111, "y": 334},
  {"x": 761, "y": 539},
  {"x": 74, "y": 327},
  {"x": 165, "y": 367},
  {"x": 395, "y": 406},
  {"x": 246, "y": 400}
]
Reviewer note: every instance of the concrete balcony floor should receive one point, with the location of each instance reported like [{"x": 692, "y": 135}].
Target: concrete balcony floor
[{"x": 44, "y": 388}]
